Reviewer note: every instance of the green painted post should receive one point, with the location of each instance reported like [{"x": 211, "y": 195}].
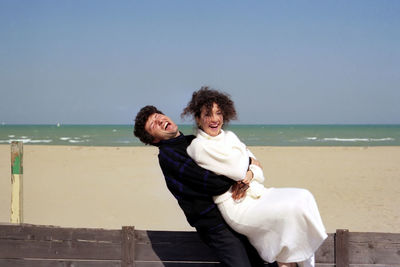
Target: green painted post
[{"x": 16, "y": 181}]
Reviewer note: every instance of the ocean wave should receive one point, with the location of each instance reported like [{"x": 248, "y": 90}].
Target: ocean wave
[
  {"x": 41, "y": 141},
  {"x": 383, "y": 139},
  {"x": 27, "y": 140},
  {"x": 346, "y": 139},
  {"x": 123, "y": 142},
  {"x": 340, "y": 139},
  {"x": 76, "y": 141},
  {"x": 358, "y": 139},
  {"x": 65, "y": 138}
]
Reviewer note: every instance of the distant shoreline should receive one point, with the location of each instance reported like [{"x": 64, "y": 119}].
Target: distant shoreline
[{"x": 251, "y": 135}]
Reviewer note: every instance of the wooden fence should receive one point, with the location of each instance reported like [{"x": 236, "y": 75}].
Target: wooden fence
[{"x": 25, "y": 245}]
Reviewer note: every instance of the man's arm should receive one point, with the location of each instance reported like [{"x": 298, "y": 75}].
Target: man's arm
[{"x": 186, "y": 171}]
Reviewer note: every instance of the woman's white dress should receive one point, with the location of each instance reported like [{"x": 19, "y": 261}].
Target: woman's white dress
[{"x": 283, "y": 224}]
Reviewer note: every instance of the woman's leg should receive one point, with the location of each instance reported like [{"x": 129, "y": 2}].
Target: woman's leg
[{"x": 282, "y": 224}]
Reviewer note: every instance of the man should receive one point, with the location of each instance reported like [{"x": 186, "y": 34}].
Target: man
[{"x": 194, "y": 187}]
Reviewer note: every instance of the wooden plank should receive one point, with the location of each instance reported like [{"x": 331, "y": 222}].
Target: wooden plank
[
  {"x": 342, "y": 248},
  {"x": 16, "y": 182},
  {"x": 128, "y": 246},
  {"x": 326, "y": 252},
  {"x": 374, "y": 248},
  {"x": 188, "y": 264},
  {"x": 59, "y": 250},
  {"x": 48, "y": 233},
  {"x": 91, "y": 247},
  {"x": 56, "y": 263},
  {"x": 27, "y": 241},
  {"x": 64, "y": 263},
  {"x": 177, "y": 264}
]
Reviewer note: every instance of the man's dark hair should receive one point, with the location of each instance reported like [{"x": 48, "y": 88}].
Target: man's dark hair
[{"x": 140, "y": 121}]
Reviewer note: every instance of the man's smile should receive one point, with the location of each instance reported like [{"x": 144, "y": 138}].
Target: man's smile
[{"x": 166, "y": 125}]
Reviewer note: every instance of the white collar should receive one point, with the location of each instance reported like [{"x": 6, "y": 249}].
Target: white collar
[{"x": 204, "y": 135}]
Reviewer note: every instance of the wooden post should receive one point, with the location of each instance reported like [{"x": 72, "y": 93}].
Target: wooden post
[
  {"x": 128, "y": 246},
  {"x": 16, "y": 182},
  {"x": 342, "y": 248}
]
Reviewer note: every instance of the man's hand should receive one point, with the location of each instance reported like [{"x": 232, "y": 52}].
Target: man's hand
[{"x": 239, "y": 190}]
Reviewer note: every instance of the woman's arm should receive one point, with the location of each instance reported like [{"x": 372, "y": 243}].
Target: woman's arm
[
  {"x": 227, "y": 156},
  {"x": 256, "y": 168}
]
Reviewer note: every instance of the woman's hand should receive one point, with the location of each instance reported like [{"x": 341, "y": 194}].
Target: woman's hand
[
  {"x": 248, "y": 178},
  {"x": 255, "y": 162}
]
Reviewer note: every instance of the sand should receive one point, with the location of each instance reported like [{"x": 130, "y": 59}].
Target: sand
[{"x": 356, "y": 188}]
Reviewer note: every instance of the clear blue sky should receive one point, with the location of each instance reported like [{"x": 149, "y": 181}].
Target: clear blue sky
[{"x": 282, "y": 62}]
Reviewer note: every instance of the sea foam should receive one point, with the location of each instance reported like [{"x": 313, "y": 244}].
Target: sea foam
[
  {"x": 27, "y": 141},
  {"x": 358, "y": 139}
]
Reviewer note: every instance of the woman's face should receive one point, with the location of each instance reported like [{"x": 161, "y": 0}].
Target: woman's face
[{"x": 211, "y": 122}]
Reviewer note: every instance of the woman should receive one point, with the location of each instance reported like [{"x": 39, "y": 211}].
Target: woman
[{"x": 284, "y": 225}]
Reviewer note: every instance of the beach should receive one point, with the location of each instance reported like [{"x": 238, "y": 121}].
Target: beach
[{"x": 356, "y": 188}]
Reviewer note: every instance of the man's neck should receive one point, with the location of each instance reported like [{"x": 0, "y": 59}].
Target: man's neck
[{"x": 177, "y": 134}]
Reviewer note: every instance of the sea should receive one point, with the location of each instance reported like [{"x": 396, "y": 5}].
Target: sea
[{"x": 251, "y": 135}]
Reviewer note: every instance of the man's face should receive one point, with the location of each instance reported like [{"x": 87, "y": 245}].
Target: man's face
[{"x": 161, "y": 127}]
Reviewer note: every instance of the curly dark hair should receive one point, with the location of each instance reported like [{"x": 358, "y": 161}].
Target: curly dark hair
[
  {"x": 140, "y": 122},
  {"x": 206, "y": 97}
]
